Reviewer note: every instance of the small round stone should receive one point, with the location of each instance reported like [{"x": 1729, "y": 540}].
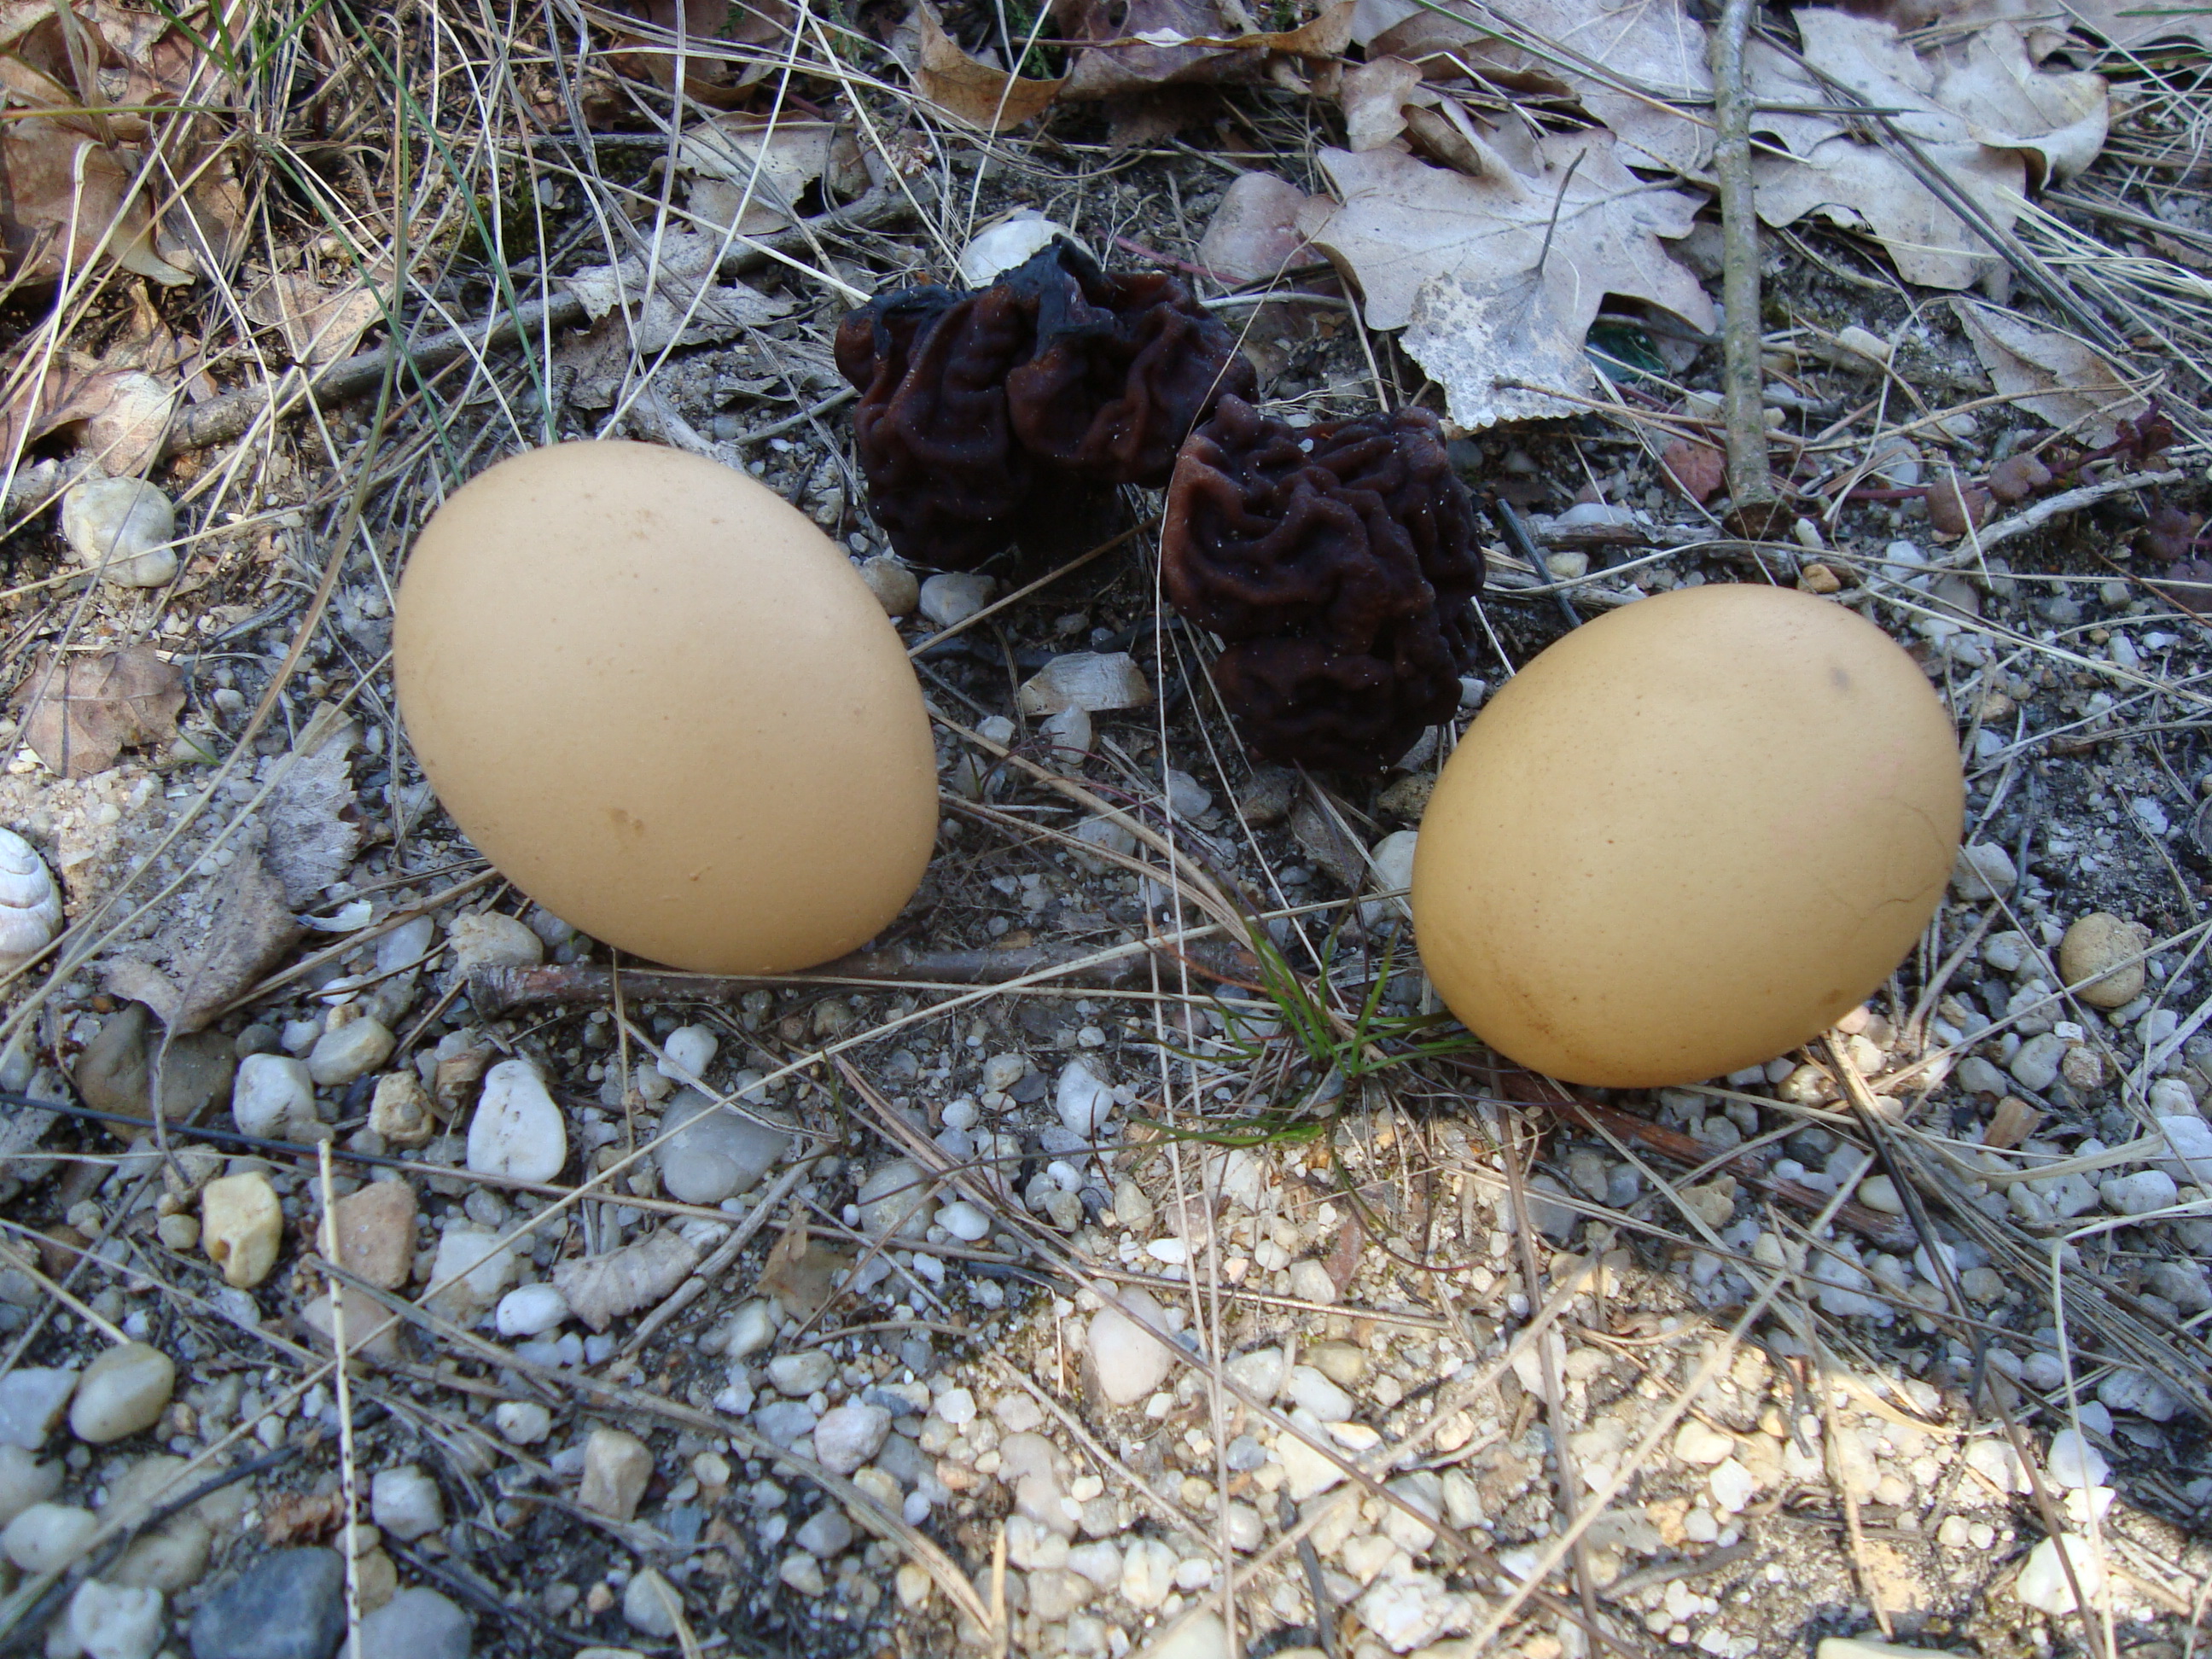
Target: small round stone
[
  {"x": 46, "y": 1536},
  {"x": 406, "y": 1503},
  {"x": 418, "y": 1624},
  {"x": 522, "y": 1422},
  {"x": 964, "y": 1221},
  {"x": 122, "y": 1391},
  {"x": 288, "y": 1604},
  {"x": 2094, "y": 949},
  {"x": 353, "y": 1050}
]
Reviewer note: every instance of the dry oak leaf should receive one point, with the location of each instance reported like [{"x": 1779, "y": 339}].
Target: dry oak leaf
[
  {"x": 1254, "y": 234},
  {"x": 970, "y": 91},
  {"x": 751, "y": 174},
  {"x": 800, "y": 1272},
  {"x": 1986, "y": 88},
  {"x": 1980, "y": 110},
  {"x": 713, "y": 74},
  {"x": 687, "y": 307},
  {"x": 1133, "y": 47},
  {"x": 2124, "y": 25},
  {"x": 81, "y": 712},
  {"x": 1638, "y": 68},
  {"x": 318, "y": 324},
  {"x": 122, "y": 414},
  {"x": 212, "y": 951},
  {"x": 1695, "y": 468},
  {"x": 1497, "y": 279},
  {"x": 2054, "y": 376}
]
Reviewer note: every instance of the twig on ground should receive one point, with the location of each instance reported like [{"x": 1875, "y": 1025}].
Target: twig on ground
[{"x": 1755, "y": 503}]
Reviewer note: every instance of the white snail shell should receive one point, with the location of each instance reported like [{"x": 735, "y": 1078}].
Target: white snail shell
[{"x": 30, "y": 902}]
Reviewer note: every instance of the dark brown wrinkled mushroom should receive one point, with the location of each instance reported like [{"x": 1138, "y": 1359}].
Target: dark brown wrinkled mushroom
[
  {"x": 1338, "y": 561},
  {"x": 979, "y": 409}
]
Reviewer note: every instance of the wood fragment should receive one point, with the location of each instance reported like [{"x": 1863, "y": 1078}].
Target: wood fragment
[{"x": 1754, "y": 507}]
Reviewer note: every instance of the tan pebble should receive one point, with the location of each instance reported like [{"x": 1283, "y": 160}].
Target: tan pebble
[
  {"x": 401, "y": 1110},
  {"x": 2094, "y": 945},
  {"x": 616, "y": 1467},
  {"x": 379, "y": 1580},
  {"x": 914, "y": 1586},
  {"x": 241, "y": 1227},
  {"x": 1818, "y": 578},
  {"x": 122, "y": 1391},
  {"x": 375, "y": 1229}
]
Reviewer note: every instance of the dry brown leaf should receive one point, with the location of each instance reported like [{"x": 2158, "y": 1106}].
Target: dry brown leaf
[
  {"x": 1655, "y": 46},
  {"x": 1985, "y": 89},
  {"x": 318, "y": 324},
  {"x": 974, "y": 92},
  {"x": 1696, "y": 470},
  {"x": 1374, "y": 96},
  {"x": 210, "y": 951},
  {"x": 713, "y": 75},
  {"x": 66, "y": 200},
  {"x": 1134, "y": 46},
  {"x": 601, "y": 1288},
  {"x": 80, "y": 714},
  {"x": 1979, "y": 109},
  {"x": 1255, "y": 235},
  {"x": 800, "y": 1272},
  {"x": 2126, "y": 25},
  {"x": 2053, "y": 375},
  {"x": 314, "y": 819},
  {"x": 752, "y": 175},
  {"x": 1455, "y": 261},
  {"x": 687, "y": 307}
]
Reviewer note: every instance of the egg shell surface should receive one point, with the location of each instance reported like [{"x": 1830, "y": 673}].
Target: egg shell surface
[
  {"x": 1688, "y": 837},
  {"x": 666, "y": 707}
]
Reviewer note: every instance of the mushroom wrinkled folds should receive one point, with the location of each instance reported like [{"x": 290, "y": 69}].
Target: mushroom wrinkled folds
[
  {"x": 981, "y": 410},
  {"x": 1338, "y": 561}
]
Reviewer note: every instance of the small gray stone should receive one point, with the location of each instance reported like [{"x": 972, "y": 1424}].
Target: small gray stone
[
  {"x": 848, "y": 1436},
  {"x": 802, "y": 1373},
  {"x": 406, "y": 1503},
  {"x": 650, "y": 1604},
  {"x": 826, "y": 1534},
  {"x": 353, "y": 1049},
  {"x": 418, "y": 1624},
  {"x": 1094, "y": 682},
  {"x": 714, "y": 1153},
  {"x": 1083, "y": 1100},
  {"x": 290, "y": 1604},
  {"x": 2036, "y": 1065},
  {"x": 1128, "y": 1360},
  {"x": 892, "y": 583},
  {"x": 32, "y": 1402},
  {"x": 273, "y": 1096},
  {"x": 1984, "y": 870},
  {"x": 895, "y": 1196},
  {"x": 955, "y": 596}
]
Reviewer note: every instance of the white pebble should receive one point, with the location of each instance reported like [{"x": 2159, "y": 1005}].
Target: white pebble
[
  {"x": 117, "y": 527},
  {"x": 353, "y": 1050},
  {"x": 522, "y": 1422},
  {"x": 1328, "y": 1403},
  {"x": 690, "y": 1050},
  {"x": 32, "y": 1400},
  {"x": 955, "y": 596},
  {"x": 956, "y": 1406},
  {"x": 518, "y": 1131},
  {"x": 714, "y": 1153},
  {"x": 2139, "y": 1194},
  {"x": 848, "y": 1436},
  {"x": 531, "y": 1310},
  {"x": 405, "y": 1502},
  {"x": 46, "y": 1536},
  {"x": 2043, "y": 1583},
  {"x": 1083, "y": 1099},
  {"x": 964, "y": 1221},
  {"x": 1148, "y": 1573},
  {"x": 115, "y": 1621},
  {"x": 2074, "y": 1463},
  {"x": 272, "y": 1096},
  {"x": 1130, "y": 1361}
]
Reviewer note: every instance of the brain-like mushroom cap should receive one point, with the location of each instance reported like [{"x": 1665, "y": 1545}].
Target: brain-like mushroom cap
[
  {"x": 972, "y": 403},
  {"x": 1338, "y": 562}
]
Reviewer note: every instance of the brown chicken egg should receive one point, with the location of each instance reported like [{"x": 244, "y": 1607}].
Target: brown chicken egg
[
  {"x": 1688, "y": 837},
  {"x": 666, "y": 707}
]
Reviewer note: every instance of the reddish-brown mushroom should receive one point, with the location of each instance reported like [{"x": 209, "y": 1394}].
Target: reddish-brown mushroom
[
  {"x": 1059, "y": 374},
  {"x": 1338, "y": 561}
]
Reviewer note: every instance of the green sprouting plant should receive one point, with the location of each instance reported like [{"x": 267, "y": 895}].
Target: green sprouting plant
[
  {"x": 1361, "y": 1043},
  {"x": 1350, "y": 1046}
]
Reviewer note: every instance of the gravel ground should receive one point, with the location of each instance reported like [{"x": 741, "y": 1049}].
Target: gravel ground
[{"x": 959, "y": 1337}]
